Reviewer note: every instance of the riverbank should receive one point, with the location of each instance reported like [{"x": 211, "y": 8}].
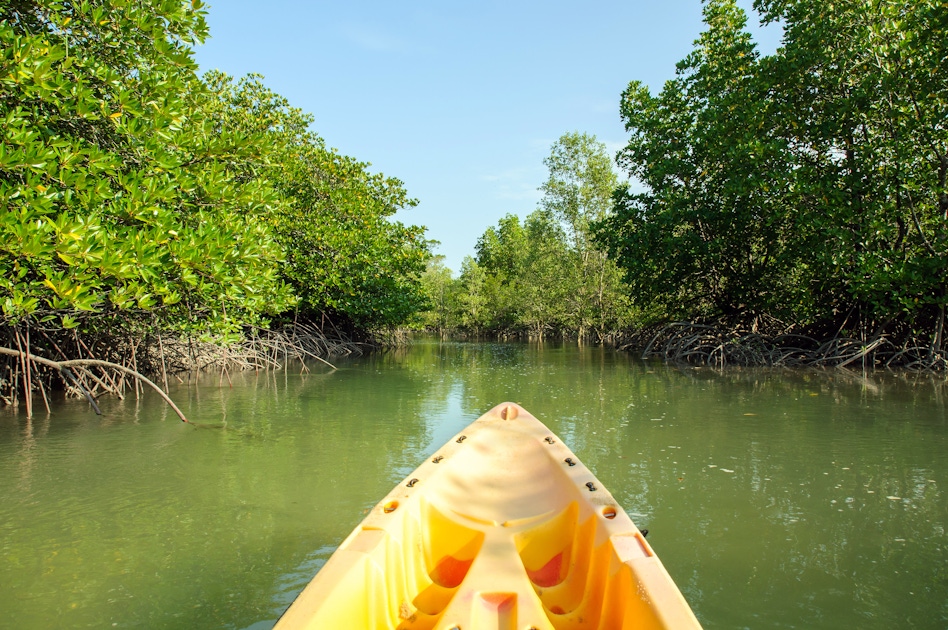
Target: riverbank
[
  {"x": 719, "y": 345},
  {"x": 33, "y": 359},
  {"x": 704, "y": 344}
]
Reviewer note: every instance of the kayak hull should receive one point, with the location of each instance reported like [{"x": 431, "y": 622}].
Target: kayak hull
[{"x": 502, "y": 529}]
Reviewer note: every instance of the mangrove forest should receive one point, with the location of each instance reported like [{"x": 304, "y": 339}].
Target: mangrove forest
[
  {"x": 789, "y": 208},
  {"x": 156, "y": 217}
]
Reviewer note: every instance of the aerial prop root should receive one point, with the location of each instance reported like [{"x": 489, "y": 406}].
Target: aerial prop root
[
  {"x": 65, "y": 371},
  {"x": 701, "y": 344}
]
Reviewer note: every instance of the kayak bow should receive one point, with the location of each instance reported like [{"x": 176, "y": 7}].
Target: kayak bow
[{"x": 502, "y": 529}]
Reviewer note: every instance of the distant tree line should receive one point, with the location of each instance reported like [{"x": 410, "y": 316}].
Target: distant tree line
[
  {"x": 543, "y": 276},
  {"x": 802, "y": 191}
]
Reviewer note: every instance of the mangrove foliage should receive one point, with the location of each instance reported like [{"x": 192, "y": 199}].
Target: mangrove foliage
[
  {"x": 801, "y": 191},
  {"x": 788, "y": 208},
  {"x": 139, "y": 198}
]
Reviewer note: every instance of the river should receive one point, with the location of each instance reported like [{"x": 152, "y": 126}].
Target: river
[{"x": 775, "y": 498}]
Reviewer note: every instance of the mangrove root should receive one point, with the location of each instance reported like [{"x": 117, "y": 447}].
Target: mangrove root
[
  {"x": 701, "y": 344},
  {"x": 67, "y": 369}
]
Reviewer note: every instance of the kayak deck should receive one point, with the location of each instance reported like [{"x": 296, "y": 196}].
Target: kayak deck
[{"x": 502, "y": 529}]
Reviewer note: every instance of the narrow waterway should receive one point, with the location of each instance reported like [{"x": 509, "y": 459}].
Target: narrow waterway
[{"x": 775, "y": 499}]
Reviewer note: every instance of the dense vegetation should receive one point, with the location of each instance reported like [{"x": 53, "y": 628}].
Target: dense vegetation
[
  {"x": 808, "y": 186},
  {"x": 801, "y": 192},
  {"x": 140, "y": 198}
]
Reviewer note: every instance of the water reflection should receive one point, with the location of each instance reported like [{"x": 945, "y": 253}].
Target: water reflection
[{"x": 775, "y": 498}]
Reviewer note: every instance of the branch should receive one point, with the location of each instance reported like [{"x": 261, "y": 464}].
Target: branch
[{"x": 918, "y": 226}]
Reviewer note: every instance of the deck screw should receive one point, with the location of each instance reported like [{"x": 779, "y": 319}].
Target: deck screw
[
  {"x": 569, "y": 460},
  {"x": 461, "y": 439},
  {"x": 437, "y": 459},
  {"x": 549, "y": 440},
  {"x": 412, "y": 483},
  {"x": 591, "y": 486}
]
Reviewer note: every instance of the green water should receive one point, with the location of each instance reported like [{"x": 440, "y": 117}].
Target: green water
[{"x": 776, "y": 499}]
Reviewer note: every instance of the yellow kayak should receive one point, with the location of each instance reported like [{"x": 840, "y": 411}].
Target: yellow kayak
[{"x": 502, "y": 529}]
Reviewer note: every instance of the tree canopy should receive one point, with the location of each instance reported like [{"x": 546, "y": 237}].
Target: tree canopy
[
  {"x": 135, "y": 190},
  {"x": 344, "y": 253},
  {"x": 808, "y": 185}
]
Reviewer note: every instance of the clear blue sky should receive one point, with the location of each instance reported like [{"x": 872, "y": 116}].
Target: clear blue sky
[{"x": 459, "y": 100}]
